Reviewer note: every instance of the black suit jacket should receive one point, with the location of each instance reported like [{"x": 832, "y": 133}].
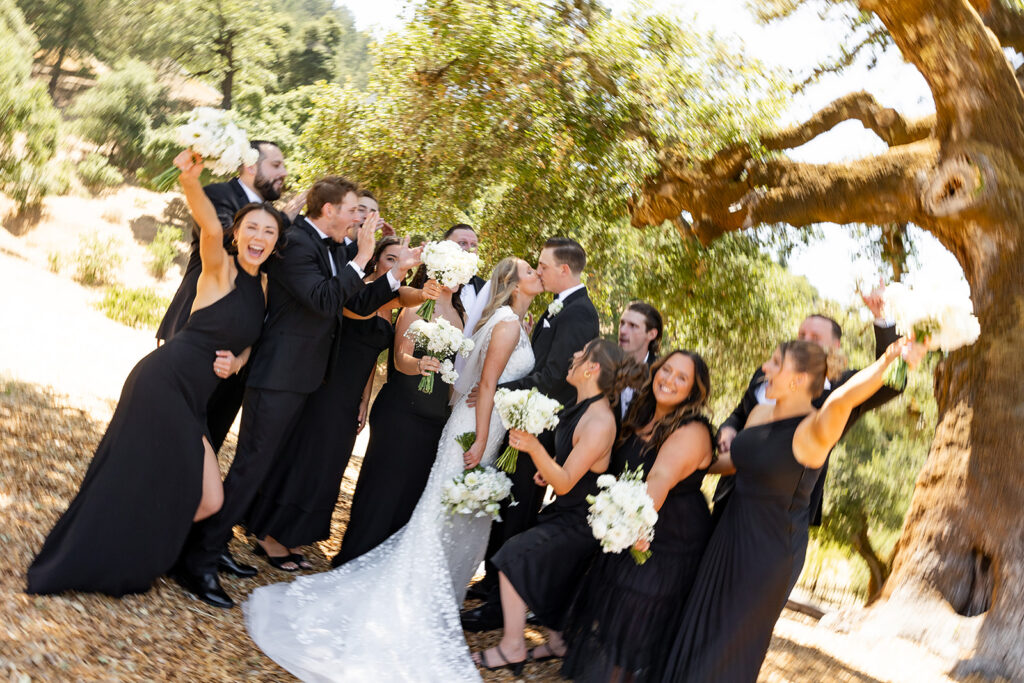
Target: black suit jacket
[
  {"x": 884, "y": 336},
  {"x": 477, "y": 283},
  {"x": 227, "y": 199},
  {"x": 304, "y": 305},
  {"x": 555, "y": 343}
]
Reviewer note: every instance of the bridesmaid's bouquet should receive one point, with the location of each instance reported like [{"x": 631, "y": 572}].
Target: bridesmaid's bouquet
[
  {"x": 439, "y": 339},
  {"x": 527, "y": 410},
  {"x": 213, "y": 134},
  {"x": 447, "y": 263},
  {"x": 935, "y": 316},
  {"x": 478, "y": 491},
  {"x": 623, "y": 514}
]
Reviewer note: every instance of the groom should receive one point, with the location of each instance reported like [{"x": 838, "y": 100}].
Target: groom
[{"x": 569, "y": 323}]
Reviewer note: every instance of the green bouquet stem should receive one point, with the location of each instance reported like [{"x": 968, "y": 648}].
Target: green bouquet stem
[
  {"x": 507, "y": 461},
  {"x": 166, "y": 180},
  {"x": 640, "y": 556},
  {"x": 426, "y": 309},
  {"x": 427, "y": 384},
  {"x": 895, "y": 375},
  {"x": 466, "y": 439}
]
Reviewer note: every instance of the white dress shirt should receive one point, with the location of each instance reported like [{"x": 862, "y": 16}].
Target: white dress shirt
[
  {"x": 359, "y": 271},
  {"x": 626, "y": 397}
]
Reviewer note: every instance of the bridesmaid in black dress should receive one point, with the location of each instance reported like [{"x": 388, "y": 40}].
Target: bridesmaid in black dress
[
  {"x": 297, "y": 501},
  {"x": 759, "y": 544},
  {"x": 405, "y": 426},
  {"x": 616, "y": 630},
  {"x": 541, "y": 568},
  {"x": 154, "y": 472}
]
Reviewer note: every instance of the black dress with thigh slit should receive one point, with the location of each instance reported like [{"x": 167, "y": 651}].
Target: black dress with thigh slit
[{"x": 128, "y": 522}]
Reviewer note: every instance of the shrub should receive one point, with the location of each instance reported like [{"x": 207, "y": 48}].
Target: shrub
[
  {"x": 163, "y": 250},
  {"x": 134, "y": 307},
  {"x": 53, "y": 261},
  {"x": 97, "y": 174},
  {"x": 97, "y": 260}
]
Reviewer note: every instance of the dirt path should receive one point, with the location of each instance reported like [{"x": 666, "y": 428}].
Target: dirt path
[{"x": 53, "y": 337}]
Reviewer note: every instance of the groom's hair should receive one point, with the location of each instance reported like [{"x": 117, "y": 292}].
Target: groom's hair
[
  {"x": 837, "y": 329},
  {"x": 568, "y": 252},
  {"x": 328, "y": 190},
  {"x": 458, "y": 226},
  {"x": 258, "y": 146}
]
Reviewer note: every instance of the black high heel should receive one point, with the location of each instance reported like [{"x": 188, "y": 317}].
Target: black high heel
[{"x": 515, "y": 667}]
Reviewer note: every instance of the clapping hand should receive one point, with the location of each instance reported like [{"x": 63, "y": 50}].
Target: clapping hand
[
  {"x": 365, "y": 241},
  {"x": 226, "y": 364},
  {"x": 407, "y": 259},
  {"x": 189, "y": 163}
]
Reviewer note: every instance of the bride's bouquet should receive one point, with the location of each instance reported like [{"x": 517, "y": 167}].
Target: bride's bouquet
[
  {"x": 478, "y": 491},
  {"x": 447, "y": 263},
  {"x": 527, "y": 410},
  {"x": 439, "y": 339},
  {"x": 623, "y": 513},
  {"x": 214, "y": 135},
  {"x": 936, "y": 316}
]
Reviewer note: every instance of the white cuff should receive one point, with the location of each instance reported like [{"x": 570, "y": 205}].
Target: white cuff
[
  {"x": 359, "y": 271},
  {"x": 884, "y": 323},
  {"x": 395, "y": 284},
  {"x": 348, "y": 240}
]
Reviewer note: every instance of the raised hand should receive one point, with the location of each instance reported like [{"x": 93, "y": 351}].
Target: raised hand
[
  {"x": 385, "y": 229},
  {"x": 874, "y": 300},
  {"x": 407, "y": 259},
  {"x": 190, "y": 164},
  {"x": 295, "y": 204},
  {"x": 365, "y": 240}
]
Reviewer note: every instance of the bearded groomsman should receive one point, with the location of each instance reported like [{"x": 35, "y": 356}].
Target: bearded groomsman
[
  {"x": 568, "y": 324},
  {"x": 640, "y": 328}
]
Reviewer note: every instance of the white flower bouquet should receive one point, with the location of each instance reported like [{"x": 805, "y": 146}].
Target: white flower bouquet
[
  {"x": 527, "y": 410},
  {"x": 439, "y": 339},
  {"x": 214, "y": 135},
  {"x": 478, "y": 491},
  {"x": 623, "y": 513},
  {"x": 934, "y": 315},
  {"x": 447, "y": 263}
]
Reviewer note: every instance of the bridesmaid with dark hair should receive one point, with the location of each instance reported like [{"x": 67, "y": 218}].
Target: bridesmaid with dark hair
[
  {"x": 541, "y": 568},
  {"x": 618, "y": 622},
  {"x": 295, "y": 505},
  {"x": 154, "y": 471},
  {"x": 405, "y": 426},
  {"x": 758, "y": 547}
]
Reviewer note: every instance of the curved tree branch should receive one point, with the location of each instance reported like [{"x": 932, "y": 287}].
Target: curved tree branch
[{"x": 1006, "y": 22}]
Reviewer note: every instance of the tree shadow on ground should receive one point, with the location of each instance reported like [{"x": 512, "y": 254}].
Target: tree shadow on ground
[
  {"x": 20, "y": 222},
  {"x": 144, "y": 228}
]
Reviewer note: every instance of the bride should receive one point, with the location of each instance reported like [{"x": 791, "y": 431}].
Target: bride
[{"x": 393, "y": 613}]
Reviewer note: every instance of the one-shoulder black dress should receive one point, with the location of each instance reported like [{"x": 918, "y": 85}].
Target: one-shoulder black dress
[
  {"x": 620, "y": 617},
  {"x": 128, "y": 522},
  {"x": 297, "y": 499},
  {"x": 546, "y": 563},
  {"x": 405, "y": 428},
  {"x": 745, "y": 575}
]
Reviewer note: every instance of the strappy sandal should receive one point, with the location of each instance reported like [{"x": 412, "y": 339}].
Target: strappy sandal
[
  {"x": 300, "y": 559},
  {"x": 531, "y": 654},
  {"x": 515, "y": 667},
  {"x": 277, "y": 562}
]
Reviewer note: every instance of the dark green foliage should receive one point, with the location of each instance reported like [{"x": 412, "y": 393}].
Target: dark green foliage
[
  {"x": 163, "y": 250},
  {"x": 134, "y": 307},
  {"x": 97, "y": 174}
]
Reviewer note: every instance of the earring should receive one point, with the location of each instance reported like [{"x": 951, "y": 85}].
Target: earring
[
  {"x": 234, "y": 241},
  {"x": 587, "y": 374}
]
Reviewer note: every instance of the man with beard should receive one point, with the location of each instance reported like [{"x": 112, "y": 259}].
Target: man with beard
[{"x": 261, "y": 182}]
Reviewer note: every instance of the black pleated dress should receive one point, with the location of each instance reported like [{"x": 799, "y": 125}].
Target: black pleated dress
[
  {"x": 297, "y": 499},
  {"x": 128, "y": 522},
  {"x": 546, "y": 563},
  {"x": 744, "y": 577},
  {"x": 405, "y": 428},
  {"x": 621, "y": 616}
]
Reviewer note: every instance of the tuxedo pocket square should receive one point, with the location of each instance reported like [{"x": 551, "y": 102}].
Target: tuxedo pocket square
[{"x": 547, "y": 324}]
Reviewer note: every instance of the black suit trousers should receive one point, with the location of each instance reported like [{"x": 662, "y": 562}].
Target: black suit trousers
[{"x": 268, "y": 418}]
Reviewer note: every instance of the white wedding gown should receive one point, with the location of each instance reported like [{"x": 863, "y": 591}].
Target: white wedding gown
[{"x": 393, "y": 613}]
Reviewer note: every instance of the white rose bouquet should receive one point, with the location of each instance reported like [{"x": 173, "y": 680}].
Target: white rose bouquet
[
  {"x": 478, "y": 491},
  {"x": 527, "y": 410},
  {"x": 623, "y": 513},
  {"x": 934, "y": 315},
  {"x": 439, "y": 339},
  {"x": 447, "y": 263},
  {"x": 213, "y": 134}
]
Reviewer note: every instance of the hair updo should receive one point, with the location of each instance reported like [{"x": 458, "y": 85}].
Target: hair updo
[
  {"x": 807, "y": 357},
  {"x": 618, "y": 369}
]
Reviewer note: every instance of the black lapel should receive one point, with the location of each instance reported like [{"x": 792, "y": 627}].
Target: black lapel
[
  {"x": 318, "y": 243},
  {"x": 575, "y": 296},
  {"x": 240, "y": 195}
]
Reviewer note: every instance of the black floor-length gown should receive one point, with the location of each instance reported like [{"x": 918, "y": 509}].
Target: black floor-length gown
[
  {"x": 622, "y": 614},
  {"x": 298, "y": 497},
  {"x": 745, "y": 575},
  {"x": 128, "y": 522},
  {"x": 546, "y": 563},
  {"x": 405, "y": 428}
]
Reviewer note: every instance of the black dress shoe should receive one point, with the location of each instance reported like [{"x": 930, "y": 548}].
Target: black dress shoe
[
  {"x": 478, "y": 591},
  {"x": 229, "y": 565},
  {"x": 486, "y": 617},
  {"x": 206, "y": 587}
]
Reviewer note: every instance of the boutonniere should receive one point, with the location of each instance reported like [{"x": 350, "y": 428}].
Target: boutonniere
[{"x": 554, "y": 308}]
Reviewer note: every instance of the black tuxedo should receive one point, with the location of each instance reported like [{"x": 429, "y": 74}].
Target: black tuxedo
[
  {"x": 477, "y": 283},
  {"x": 884, "y": 336},
  {"x": 304, "y": 316},
  {"x": 227, "y": 199},
  {"x": 554, "y": 344}
]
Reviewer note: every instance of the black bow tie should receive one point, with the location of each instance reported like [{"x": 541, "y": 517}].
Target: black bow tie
[{"x": 328, "y": 241}]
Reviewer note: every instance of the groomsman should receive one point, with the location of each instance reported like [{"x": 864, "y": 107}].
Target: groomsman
[
  {"x": 828, "y": 334},
  {"x": 640, "y": 328},
  {"x": 261, "y": 182},
  {"x": 568, "y": 324},
  {"x": 367, "y": 205},
  {"x": 474, "y": 294},
  {"x": 309, "y": 285}
]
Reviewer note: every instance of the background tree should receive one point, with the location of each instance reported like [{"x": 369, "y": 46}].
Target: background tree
[
  {"x": 956, "y": 174},
  {"x": 65, "y": 28}
]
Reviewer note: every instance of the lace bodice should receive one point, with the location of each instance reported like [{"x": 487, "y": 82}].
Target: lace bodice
[{"x": 393, "y": 613}]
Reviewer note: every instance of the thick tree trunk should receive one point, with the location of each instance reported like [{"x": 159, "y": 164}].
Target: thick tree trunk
[{"x": 963, "y": 538}]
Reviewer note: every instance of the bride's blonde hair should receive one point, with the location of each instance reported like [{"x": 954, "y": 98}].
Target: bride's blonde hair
[{"x": 504, "y": 279}]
